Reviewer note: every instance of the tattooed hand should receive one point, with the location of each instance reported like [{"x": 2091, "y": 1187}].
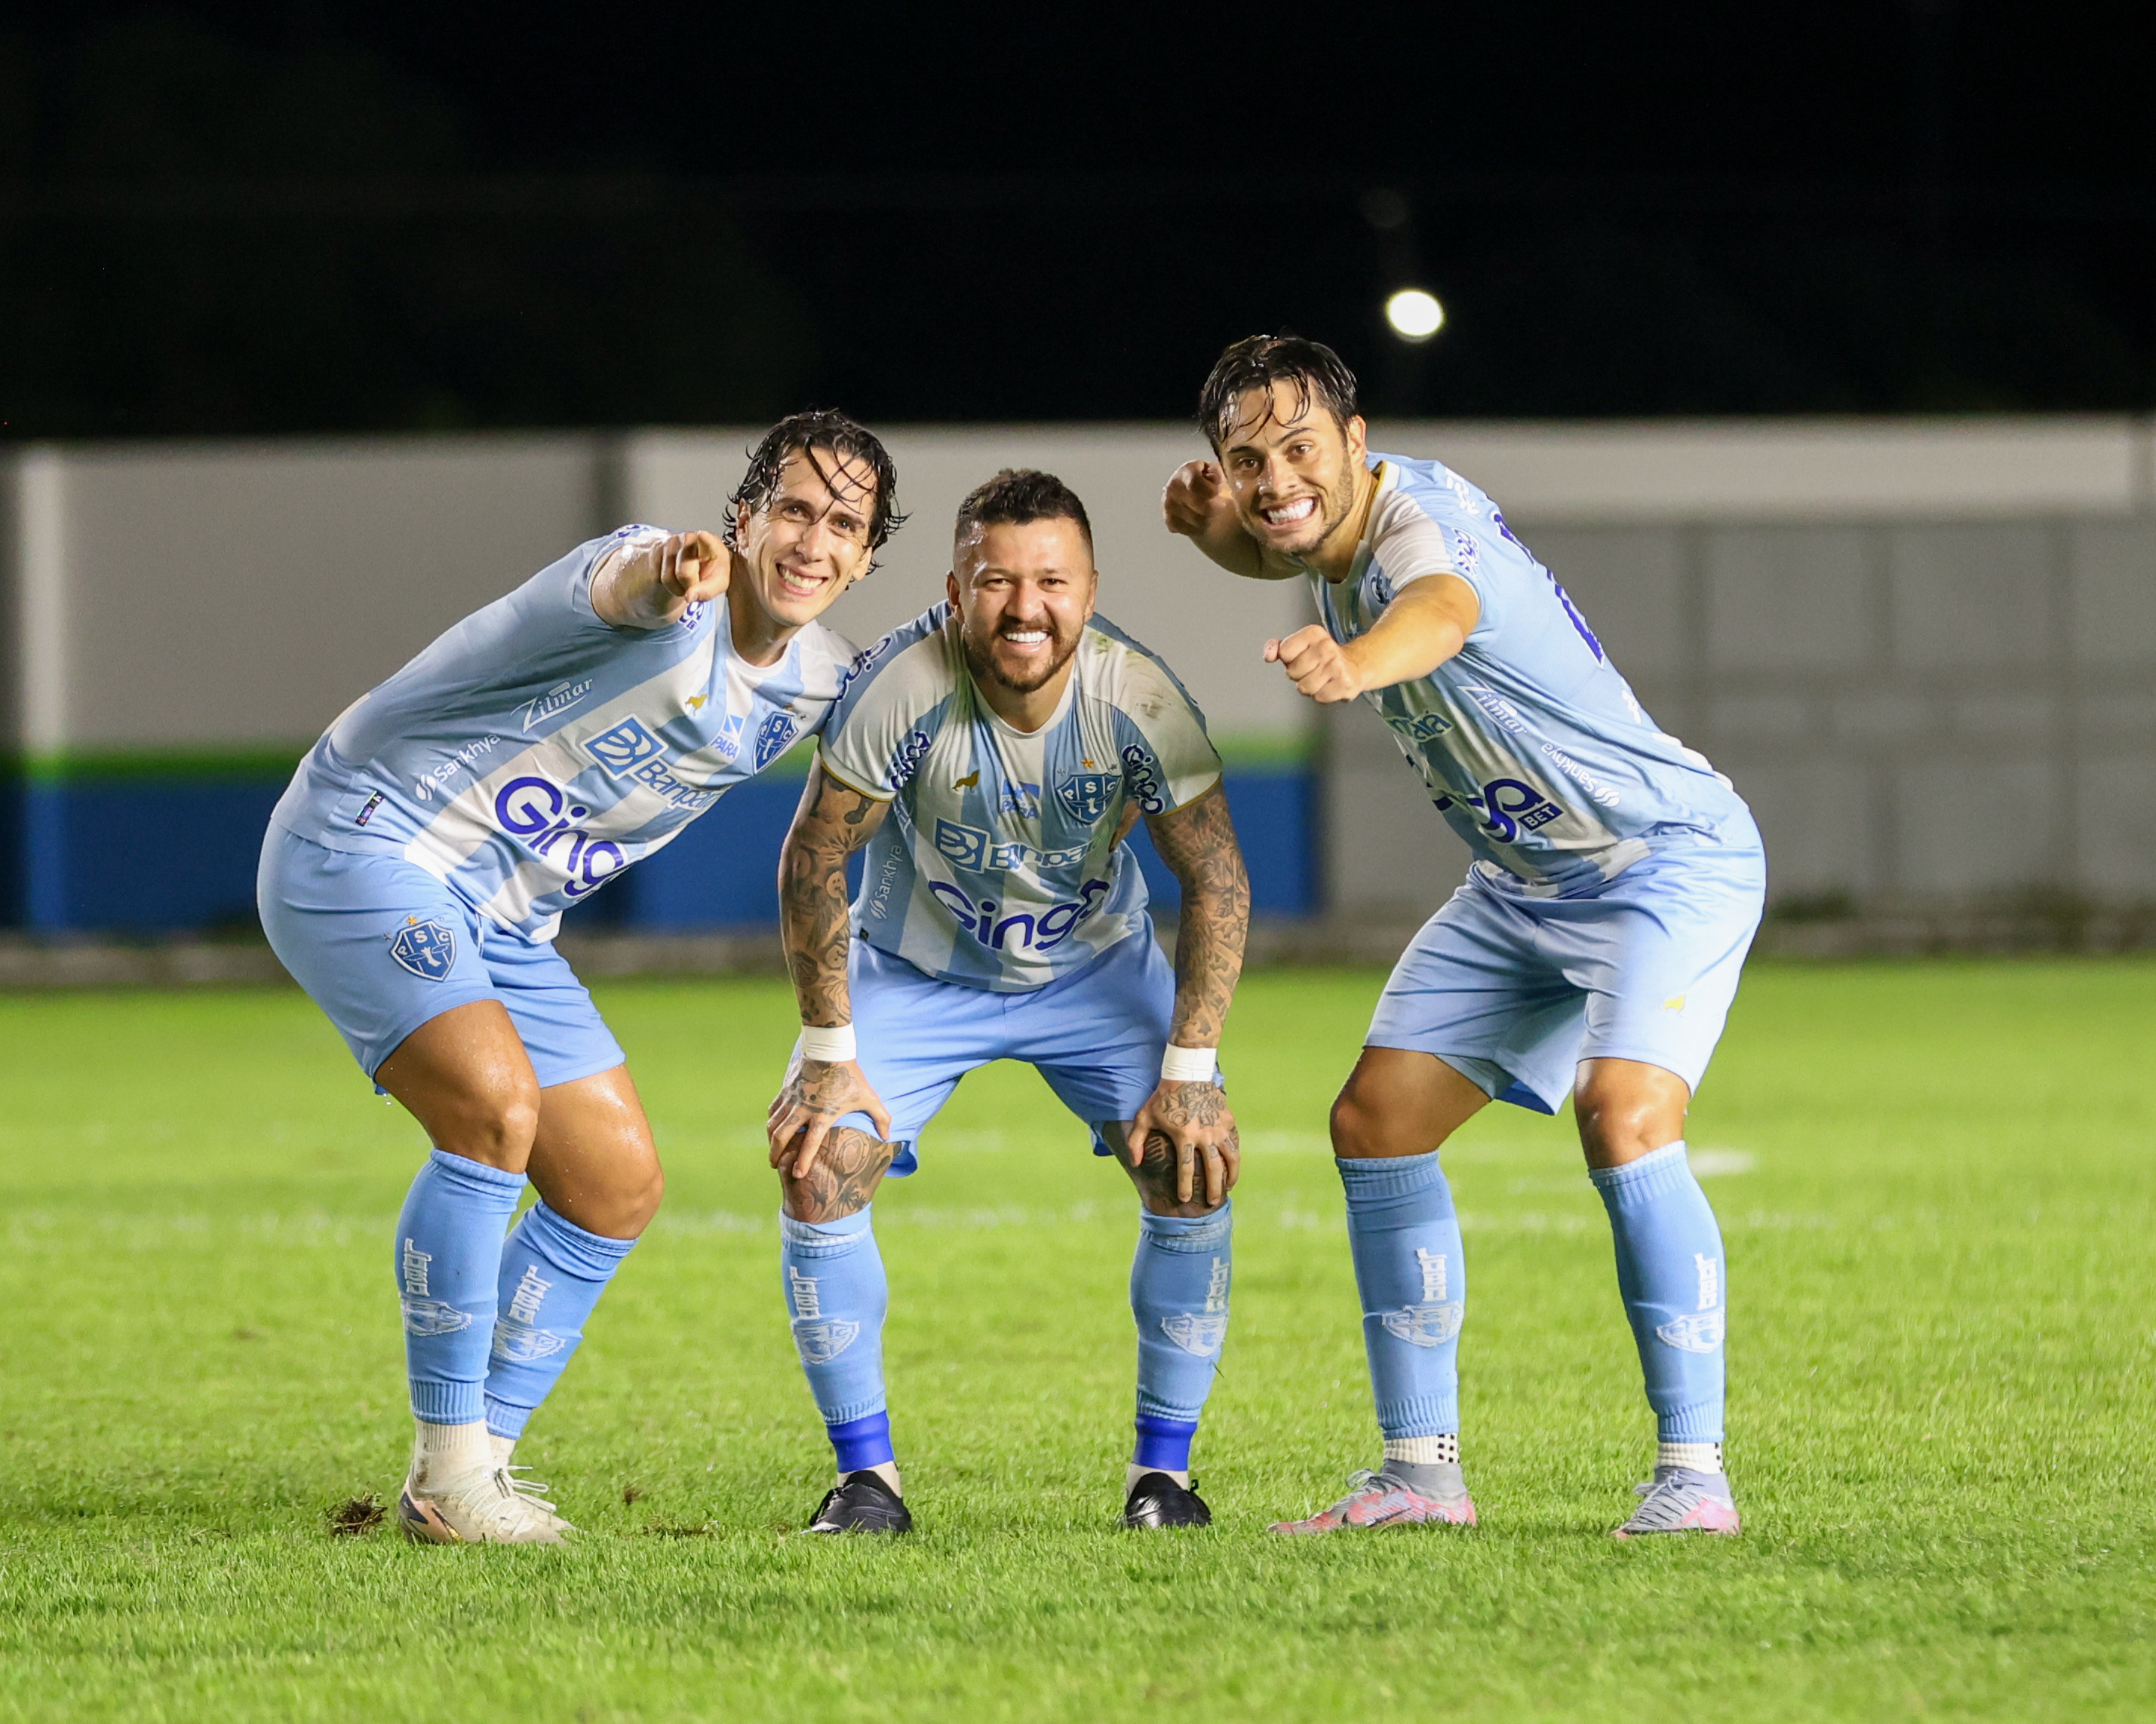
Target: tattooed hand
[
  {"x": 1190, "y": 1123},
  {"x": 816, "y": 1095}
]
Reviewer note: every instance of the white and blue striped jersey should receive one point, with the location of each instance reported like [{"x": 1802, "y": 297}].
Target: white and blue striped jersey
[
  {"x": 534, "y": 751},
  {"x": 1531, "y": 744},
  {"x": 1000, "y": 864}
]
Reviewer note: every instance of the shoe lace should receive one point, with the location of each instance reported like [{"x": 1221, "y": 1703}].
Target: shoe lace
[
  {"x": 1663, "y": 1504},
  {"x": 530, "y": 1491}
]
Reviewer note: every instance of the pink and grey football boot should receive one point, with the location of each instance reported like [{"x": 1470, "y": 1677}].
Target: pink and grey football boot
[
  {"x": 1678, "y": 1499},
  {"x": 1381, "y": 1499}
]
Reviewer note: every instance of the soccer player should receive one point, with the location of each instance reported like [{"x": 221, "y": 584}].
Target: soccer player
[
  {"x": 415, "y": 873},
  {"x": 1594, "y": 947},
  {"x": 994, "y": 754}
]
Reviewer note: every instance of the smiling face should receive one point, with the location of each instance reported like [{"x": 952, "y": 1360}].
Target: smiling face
[
  {"x": 1295, "y": 471},
  {"x": 809, "y": 541},
  {"x": 1024, "y": 591}
]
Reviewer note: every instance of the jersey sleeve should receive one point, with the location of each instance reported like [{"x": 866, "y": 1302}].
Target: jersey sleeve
[
  {"x": 1168, "y": 761},
  {"x": 1410, "y": 544},
  {"x": 876, "y": 737}
]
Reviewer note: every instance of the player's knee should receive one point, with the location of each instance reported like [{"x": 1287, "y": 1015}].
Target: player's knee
[
  {"x": 842, "y": 1181},
  {"x": 1621, "y": 1120},
  {"x": 497, "y": 1128},
  {"x": 1359, "y": 1131},
  {"x": 639, "y": 1199}
]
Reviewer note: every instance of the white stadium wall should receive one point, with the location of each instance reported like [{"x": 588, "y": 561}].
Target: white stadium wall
[{"x": 1926, "y": 651}]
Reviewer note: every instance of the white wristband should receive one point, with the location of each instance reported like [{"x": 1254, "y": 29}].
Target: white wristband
[
  {"x": 829, "y": 1045},
  {"x": 1188, "y": 1066}
]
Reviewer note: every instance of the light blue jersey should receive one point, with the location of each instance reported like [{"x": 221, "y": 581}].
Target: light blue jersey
[
  {"x": 1532, "y": 745},
  {"x": 1001, "y": 865},
  {"x": 534, "y": 751}
]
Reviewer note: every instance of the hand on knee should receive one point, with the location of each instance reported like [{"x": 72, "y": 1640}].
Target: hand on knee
[{"x": 842, "y": 1179}]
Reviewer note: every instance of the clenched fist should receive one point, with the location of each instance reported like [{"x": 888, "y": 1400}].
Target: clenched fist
[{"x": 1318, "y": 666}]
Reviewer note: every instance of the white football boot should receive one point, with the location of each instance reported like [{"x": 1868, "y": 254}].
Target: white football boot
[{"x": 484, "y": 1506}]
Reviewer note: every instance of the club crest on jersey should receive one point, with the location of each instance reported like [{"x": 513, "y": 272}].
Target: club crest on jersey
[
  {"x": 1087, "y": 794},
  {"x": 772, "y": 737},
  {"x": 626, "y": 745},
  {"x": 427, "y": 949}
]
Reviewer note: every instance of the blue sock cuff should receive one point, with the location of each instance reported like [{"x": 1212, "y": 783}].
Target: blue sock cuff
[
  {"x": 862, "y": 1443},
  {"x": 504, "y": 1418},
  {"x": 1376, "y": 1177},
  {"x": 447, "y": 1402},
  {"x": 590, "y": 1256},
  {"x": 477, "y": 1176},
  {"x": 1664, "y": 1170},
  {"x": 1188, "y": 1233},
  {"x": 1164, "y": 1444},
  {"x": 810, "y": 1235},
  {"x": 1690, "y": 1424}
]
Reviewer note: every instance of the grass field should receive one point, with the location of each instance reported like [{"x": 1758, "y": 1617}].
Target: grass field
[{"x": 1942, "y": 1247}]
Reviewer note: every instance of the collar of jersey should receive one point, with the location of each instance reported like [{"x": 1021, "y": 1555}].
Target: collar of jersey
[
  {"x": 1388, "y": 474},
  {"x": 735, "y": 665}
]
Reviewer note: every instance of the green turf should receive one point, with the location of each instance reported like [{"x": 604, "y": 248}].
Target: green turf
[{"x": 1941, "y": 1263}]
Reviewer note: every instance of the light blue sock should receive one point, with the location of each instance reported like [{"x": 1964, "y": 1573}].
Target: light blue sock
[
  {"x": 1670, "y": 1269},
  {"x": 836, "y": 1295},
  {"x": 1412, "y": 1278},
  {"x": 553, "y": 1273},
  {"x": 448, "y": 1253},
  {"x": 1180, "y": 1295}
]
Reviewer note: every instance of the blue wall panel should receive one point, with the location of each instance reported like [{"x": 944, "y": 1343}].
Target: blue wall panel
[
  {"x": 131, "y": 857},
  {"x": 149, "y": 856}
]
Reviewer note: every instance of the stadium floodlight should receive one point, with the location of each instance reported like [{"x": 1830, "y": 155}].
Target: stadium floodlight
[{"x": 1415, "y": 314}]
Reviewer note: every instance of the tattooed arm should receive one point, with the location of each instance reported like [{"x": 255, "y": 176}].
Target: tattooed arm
[
  {"x": 1197, "y": 843},
  {"x": 833, "y": 822}
]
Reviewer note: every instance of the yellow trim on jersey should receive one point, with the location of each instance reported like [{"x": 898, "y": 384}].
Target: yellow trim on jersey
[{"x": 824, "y": 760}]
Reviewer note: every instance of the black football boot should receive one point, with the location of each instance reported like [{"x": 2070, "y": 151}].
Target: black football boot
[
  {"x": 1157, "y": 1501},
  {"x": 861, "y": 1502}
]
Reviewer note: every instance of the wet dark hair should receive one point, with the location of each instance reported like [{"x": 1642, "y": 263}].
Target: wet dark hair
[
  {"x": 1017, "y": 495},
  {"x": 824, "y": 431},
  {"x": 1317, "y": 373}
]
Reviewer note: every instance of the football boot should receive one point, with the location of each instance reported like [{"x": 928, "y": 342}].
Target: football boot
[
  {"x": 480, "y": 1507},
  {"x": 1381, "y": 1499},
  {"x": 1678, "y": 1499},
  {"x": 861, "y": 1502},
  {"x": 1155, "y": 1499}
]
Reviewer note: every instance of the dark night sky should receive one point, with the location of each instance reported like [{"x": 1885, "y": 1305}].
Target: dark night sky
[{"x": 252, "y": 219}]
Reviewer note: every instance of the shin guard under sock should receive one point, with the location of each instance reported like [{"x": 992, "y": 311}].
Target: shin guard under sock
[
  {"x": 1413, "y": 1279},
  {"x": 836, "y": 1297},
  {"x": 448, "y": 1255},
  {"x": 1670, "y": 1269},
  {"x": 1180, "y": 1279},
  {"x": 553, "y": 1273}
]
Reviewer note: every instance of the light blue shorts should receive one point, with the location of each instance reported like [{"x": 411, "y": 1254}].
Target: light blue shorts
[
  {"x": 1095, "y": 1035},
  {"x": 1514, "y": 992},
  {"x": 382, "y": 946}
]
